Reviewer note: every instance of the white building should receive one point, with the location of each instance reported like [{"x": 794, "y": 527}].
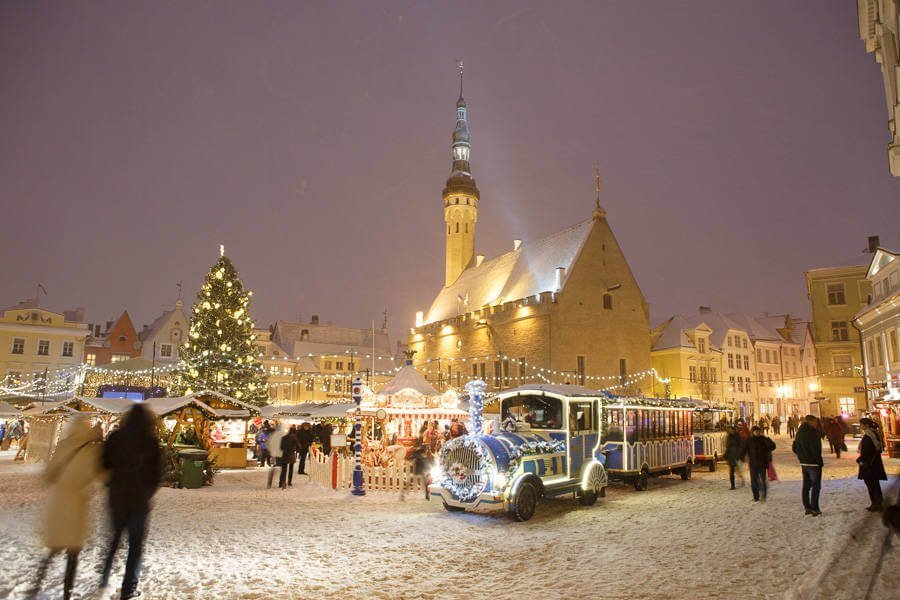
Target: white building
[
  {"x": 879, "y": 29},
  {"x": 165, "y": 335},
  {"x": 879, "y": 326}
]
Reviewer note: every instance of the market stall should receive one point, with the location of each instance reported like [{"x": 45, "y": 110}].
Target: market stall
[
  {"x": 395, "y": 415},
  {"x": 889, "y": 413}
]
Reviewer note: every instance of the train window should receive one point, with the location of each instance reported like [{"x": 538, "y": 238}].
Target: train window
[
  {"x": 541, "y": 412},
  {"x": 613, "y": 426},
  {"x": 631, "y": 430},
  {"x": 582, "y": 416}
]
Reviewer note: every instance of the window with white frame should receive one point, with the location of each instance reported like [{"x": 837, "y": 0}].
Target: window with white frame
[
  {"x": 746, "y": 362},
  {"x": 692, "y": 373},
  {"x": 848, "y": 406},
  {"x": 90, "y": 359},
  {"x": 165, "y": 350},
  {"x": 745, "y": 344},
  {"x": 119, "y": 357},
  {"x": 68, "y": 348},
  {"x": 843, "y": 364},
  {"x": 840, "y": 331},
  {"x": 18, "y": 346},
  {"x": 43, "y": 347},
  {"x": 730, "y": 360}
]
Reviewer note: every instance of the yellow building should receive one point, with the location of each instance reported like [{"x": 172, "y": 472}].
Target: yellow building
[
  {"x": 563, "y": 308},
  {"x": 836, "y": 295},
  {"x": 40, "y": 350},
  {"x": 683, "y": 354}
]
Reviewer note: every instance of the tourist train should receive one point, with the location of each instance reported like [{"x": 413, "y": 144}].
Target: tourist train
[
  {"x": 710, "y": 434},
  {"x": 551, "y": 440}
]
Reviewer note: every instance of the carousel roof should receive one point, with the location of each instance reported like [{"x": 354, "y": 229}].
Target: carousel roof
[
  {"x": 309, "y": 409},
  {"x": 408, "y": 378}
]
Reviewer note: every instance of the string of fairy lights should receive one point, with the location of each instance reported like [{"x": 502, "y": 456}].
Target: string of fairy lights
[{"x": 66, "y": 380}]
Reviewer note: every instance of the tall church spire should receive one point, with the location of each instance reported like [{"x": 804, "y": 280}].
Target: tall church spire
[{"x": 460, "y": 195}]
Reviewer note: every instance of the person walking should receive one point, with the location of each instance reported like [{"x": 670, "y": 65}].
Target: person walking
[
  {"x": 734, "y": 446},
  {"x": 808, "y": 448},
  {"x": 792, "y": 426},
  {"x": 325, "y": 438},
  {"x": 74, "y": 467},
  {"x": 758, "y": 451},
  {"x": 133, "y": 458},
  {"x": 871, "y": 467},
  {"x": 274, "y": 445},
  {"x": 289, "y": 446},
  {"x": 304, "y": 441},
  {"x": 835, "y": 434},
  {"x": 776, "y": 425},
  {"x": 262, "y": 444}
]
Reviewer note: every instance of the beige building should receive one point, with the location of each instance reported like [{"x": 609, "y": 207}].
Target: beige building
[
  {"x": 879, "y": 29},
  {"x": 40, "y": 350},
  {"x": 837, "y": 295},
  {"x": 563, "y": 308},
  {"x": 879, "y": 325},
  {"x": 161, "y": 340},
  {"x": 316, "y": 362},
  {"x": 709, "y": 357}
]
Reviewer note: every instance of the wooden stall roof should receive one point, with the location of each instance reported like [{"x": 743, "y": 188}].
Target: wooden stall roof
[{"x": 7, "y": 410}]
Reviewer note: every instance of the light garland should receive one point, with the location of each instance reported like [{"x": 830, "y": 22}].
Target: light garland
[{"x": 455, "y": 481}]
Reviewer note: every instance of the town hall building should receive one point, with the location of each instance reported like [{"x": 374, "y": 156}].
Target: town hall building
[{"x": 565, "y": 308}]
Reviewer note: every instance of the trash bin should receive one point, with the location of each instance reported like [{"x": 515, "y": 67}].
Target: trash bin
[{"x": 192, "y": 461}]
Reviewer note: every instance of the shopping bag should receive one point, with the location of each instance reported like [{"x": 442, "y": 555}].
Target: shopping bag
[{"x": 770, "y": 469}]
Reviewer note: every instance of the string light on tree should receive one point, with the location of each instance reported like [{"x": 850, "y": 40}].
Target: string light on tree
[{"x": 220, "y": 353}]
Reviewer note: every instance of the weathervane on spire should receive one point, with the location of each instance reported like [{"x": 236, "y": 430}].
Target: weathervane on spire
[
  {"x": 598, "y": 212},
  {"x": 459, "y": 67}
]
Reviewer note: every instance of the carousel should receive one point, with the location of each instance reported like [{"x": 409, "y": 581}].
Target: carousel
[
  {"x": 395, "y": 416},
  {"x": 888, "y": 412}
]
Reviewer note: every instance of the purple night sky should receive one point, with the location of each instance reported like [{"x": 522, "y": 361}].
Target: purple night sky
[{"x": 740, "y": 144}]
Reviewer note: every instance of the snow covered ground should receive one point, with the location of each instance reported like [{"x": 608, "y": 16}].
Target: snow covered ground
[{"x": 694, "y": 539}]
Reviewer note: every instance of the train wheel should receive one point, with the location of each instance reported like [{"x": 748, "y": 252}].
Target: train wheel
[
  {"x": 526, "y": 502},
  {"x": 603, "y": 492},
  {"x": 686, "y": 472},
  {"x": 450, "y": 508},
  {"x": 589, "y": 497},
  {"x": 640, "y": 482}
]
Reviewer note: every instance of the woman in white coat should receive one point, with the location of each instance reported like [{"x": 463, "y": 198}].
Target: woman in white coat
[{"x": 74, "y": 467}]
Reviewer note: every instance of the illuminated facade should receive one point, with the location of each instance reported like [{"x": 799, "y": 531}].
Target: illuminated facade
[
  {"x": 35, "y": 342},
  {"x": 836, "y": 295},
  {"x": 879, "y": 325},
  {"x": 563, "y": 308},
  {"x": 879, "y": 29}
]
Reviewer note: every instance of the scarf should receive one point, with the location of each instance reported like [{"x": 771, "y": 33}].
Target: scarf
[{"x": 876, "y": 439}]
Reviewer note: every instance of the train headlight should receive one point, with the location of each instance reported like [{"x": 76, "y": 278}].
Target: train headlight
[
  {"x": 500, "y": 480},
  {"x": 436, "y": 473}
]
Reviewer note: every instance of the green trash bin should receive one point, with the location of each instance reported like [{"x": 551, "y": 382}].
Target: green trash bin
[{"x": 192, "y": 461}]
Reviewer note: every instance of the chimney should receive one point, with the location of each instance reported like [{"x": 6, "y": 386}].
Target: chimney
[
  {"x": 560, "y": 275},
  {"x": 479, "y": 259},
  {"x": 873, "y": 244},
  {"x": 516, "y": 244},
  {"x": 314, "y": 320},
  {"x": 705, "y": 310}
]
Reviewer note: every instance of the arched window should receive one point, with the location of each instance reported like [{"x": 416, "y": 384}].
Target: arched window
[{"x": 607, "y": 301}]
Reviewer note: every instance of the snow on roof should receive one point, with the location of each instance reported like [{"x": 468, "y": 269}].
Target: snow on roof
[
  {"x": 408, "y": 378},
  {"x": 228, "y": 399},
  {"x": 8, "y": 410},
  {"x": 157, "y": 325},
  {"x": 524, "y": 272},
  {"x": 553, "y": 388},
  {"x": 114, "y": 406},
  {"x": 46, "y": 408},
  {"x": 165, "y": 406},
  {"x": 673, "y": 331},
  {"x": 755, "y": 329}
]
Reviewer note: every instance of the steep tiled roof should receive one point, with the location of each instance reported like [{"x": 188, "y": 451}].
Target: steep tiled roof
[{"x": 524, "y": 272}]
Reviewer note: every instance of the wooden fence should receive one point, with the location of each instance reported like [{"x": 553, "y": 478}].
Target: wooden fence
[{"x": 336, "y": 472}]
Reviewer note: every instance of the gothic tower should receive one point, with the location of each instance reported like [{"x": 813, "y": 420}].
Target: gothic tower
[{"x": 460, "y": 197}]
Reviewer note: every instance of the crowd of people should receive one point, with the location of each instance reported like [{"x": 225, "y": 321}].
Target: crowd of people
[{"x": 753, "y": 446}]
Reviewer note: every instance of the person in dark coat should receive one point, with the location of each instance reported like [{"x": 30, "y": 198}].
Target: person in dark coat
[
  {"x": 304, "y": 441},
  {"x": 871, "y": 467},
  {"x": 808, "y": 448},
  {"x": 835, "y": 434},
  {"x": 134, "y": 460},
  {"x": 734, "y": 447},
  {"x": 776, "y": 425},
  {"x": 289, "y": 447},
  {"x": 758, "y": 451},
  {"x": 325, "y": 438}
]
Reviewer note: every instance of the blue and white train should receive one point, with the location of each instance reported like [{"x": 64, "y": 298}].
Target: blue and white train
[
  {"x": 556, "y": 440},
  {"x": 709, "y": 433}
]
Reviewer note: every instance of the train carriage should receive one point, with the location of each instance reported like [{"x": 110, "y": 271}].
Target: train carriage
[
  {"x": 710, "y": 435},
  {"x": 644, "y": 437}
]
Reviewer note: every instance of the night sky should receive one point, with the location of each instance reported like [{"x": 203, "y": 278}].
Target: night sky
[{"x": 740, "y": 144}]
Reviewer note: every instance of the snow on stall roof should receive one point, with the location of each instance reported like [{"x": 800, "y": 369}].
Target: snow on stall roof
[
  {"x": 165, "y": 406},
  {"x": 8, "y": 410},
  {"x": 112, "y": 406},
  {"x": 408, "y": 378},
  {"x": 527, "y": 271}
]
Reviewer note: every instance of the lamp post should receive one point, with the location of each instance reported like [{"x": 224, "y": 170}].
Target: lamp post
[{"x": 357, "y": 489}]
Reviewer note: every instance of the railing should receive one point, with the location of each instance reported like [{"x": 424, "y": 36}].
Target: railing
[{"x": 336, "y": 472}]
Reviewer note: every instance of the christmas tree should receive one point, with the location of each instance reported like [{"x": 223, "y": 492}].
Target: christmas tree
[{"x": 220, "y": 353}]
